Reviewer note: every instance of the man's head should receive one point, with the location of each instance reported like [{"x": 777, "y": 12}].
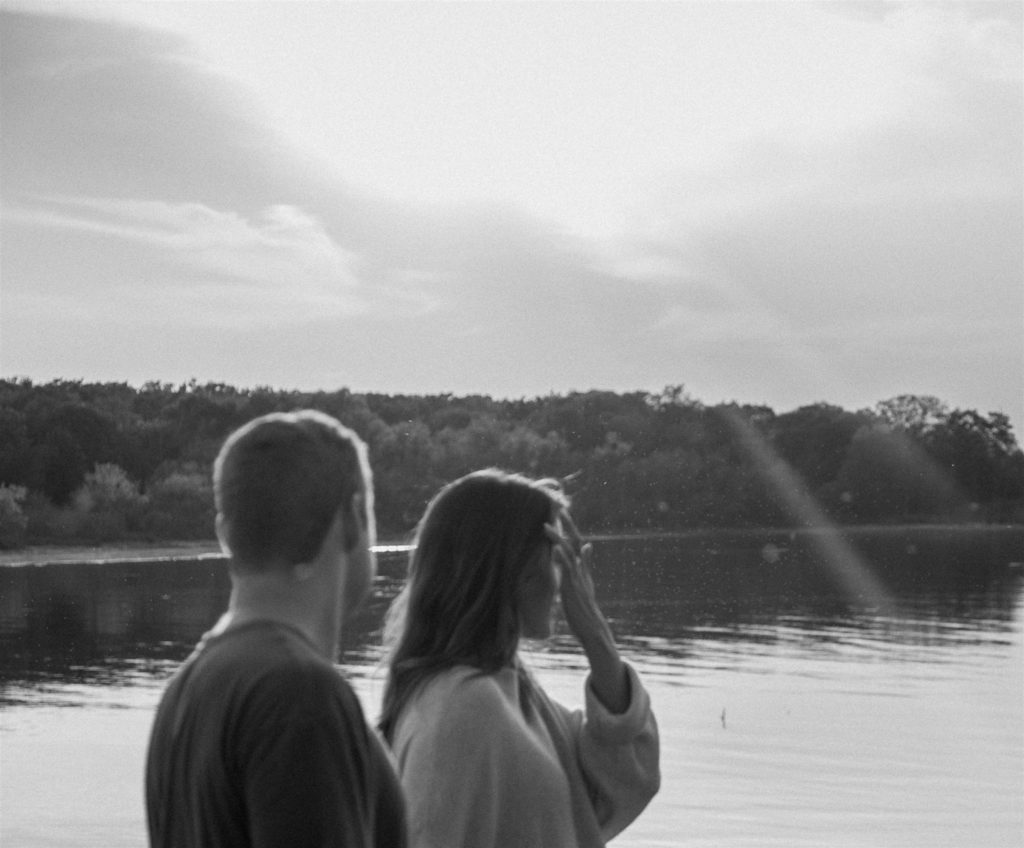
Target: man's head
[{"x": 280, "y": 483}]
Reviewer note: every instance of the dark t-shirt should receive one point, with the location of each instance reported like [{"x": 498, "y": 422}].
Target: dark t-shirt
[{"x": 259, "y": 741}]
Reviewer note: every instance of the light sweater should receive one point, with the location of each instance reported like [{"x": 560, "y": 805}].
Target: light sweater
[{"x": 488, "y": 762}]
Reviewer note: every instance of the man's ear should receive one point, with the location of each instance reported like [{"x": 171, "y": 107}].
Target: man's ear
[
  {"x": 221, "y": 526},
  {"x": 353, "y": 524}
]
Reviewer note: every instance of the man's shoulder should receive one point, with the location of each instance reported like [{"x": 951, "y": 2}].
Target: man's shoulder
[
  {"x": 260, "y": 646},
  {"x": 268, "y": 663}
]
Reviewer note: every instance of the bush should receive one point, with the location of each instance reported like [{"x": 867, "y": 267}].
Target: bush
[
  {"x": 50, "y": 524},
  {"x": 110, "y": 504},
  {"x": 13, "y": 521},
  {"x": 181, "y": 506},
  {"x": 107, "y": 488}
]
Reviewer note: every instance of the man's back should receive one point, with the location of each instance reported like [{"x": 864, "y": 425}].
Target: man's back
[{"x": 258, "y": 741}]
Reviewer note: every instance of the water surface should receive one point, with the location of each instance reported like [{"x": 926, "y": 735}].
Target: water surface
[{"x": 797, "y": 706}]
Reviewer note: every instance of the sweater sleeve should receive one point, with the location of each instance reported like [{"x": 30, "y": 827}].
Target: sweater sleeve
[{"x": 618, "y": 755}]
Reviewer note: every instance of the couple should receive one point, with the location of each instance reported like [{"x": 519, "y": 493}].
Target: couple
[{"x": 259, "y": 741}]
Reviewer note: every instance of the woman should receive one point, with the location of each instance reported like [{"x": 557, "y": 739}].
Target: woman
[{"x": 486, "y": 759}]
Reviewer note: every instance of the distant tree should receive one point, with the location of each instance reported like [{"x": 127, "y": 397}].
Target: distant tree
[
  {"x": 888, "y": 476},
  {"x": 455, "y": 451},
  {"x": 661, "y": 491},
  {"x": 915, "y": 414},
  {"x": 15, "y": 447},
  {"x": 980, "y": 453},
  {"x": 95, "y": 433},
  {"x": 814, "y": 440},
  {"x": 396, "y": 409},
  {"x": 150, "y": 444},
  {"x": 201, "y": 417},
  {"x": 671, "y": 397},
  {"x": 402, "y": 473},
  {"x": 350, "y": 409},
  {"x": 584, "y": 419},
  {"x": 635, "y": 460},
  {"x": 58, "y": 466}
]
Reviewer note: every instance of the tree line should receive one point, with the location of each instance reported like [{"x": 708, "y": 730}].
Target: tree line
[{"x": 101, "y": 462}]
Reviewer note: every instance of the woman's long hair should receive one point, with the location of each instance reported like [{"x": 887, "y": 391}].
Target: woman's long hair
[{"x": 458, "y": 607}]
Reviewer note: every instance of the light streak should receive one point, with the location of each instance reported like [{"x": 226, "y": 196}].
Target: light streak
[{"x": 851, "y": 570}]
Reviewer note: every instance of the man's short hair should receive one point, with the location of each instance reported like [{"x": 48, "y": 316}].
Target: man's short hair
[{"x": 279, "y": 482}]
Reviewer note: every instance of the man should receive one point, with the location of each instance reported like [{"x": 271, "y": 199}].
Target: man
[{"x": 258, "y": 740}]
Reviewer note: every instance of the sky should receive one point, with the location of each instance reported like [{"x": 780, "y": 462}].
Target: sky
[{"x": 769, "y": 203}]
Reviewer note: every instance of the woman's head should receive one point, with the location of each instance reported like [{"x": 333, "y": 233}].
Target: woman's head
[{"x": 479, "y": 543}]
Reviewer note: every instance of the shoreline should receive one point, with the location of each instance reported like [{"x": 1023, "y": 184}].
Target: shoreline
[
  {"x": 163, "y": 551},
  {"x": 56, "y": 554}
]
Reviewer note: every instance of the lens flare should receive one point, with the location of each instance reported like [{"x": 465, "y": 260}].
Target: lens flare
[{"x": 851, "y": 571}]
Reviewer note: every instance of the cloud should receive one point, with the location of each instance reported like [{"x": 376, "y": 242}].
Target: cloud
[
  {"x": 816, "y": 242},
  {"x": 197, "y": 265},
  {"x": 833, "y": 247},
  {"x": 95, "y": 108}
]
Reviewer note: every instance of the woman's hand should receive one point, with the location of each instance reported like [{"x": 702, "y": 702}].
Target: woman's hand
[
  {"x": 579, "y": 600},
  {"x": 579, "y": 603}
]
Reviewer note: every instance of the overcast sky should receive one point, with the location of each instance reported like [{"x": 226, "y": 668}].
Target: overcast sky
[{"x": 776, "y": 203}]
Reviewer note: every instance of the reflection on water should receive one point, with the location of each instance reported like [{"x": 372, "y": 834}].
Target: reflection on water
[
  {"x": 791, "y": 713},
  {"x": 665, "y": 595},
  {"x": 670, "y": 586},
  {"x": 95, "y": 622}
]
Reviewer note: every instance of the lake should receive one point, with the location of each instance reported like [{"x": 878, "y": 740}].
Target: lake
[{"x": 812, "y": 689}]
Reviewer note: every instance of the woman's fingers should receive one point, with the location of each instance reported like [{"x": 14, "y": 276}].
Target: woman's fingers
[
  {"x": 572, "y": 531},
  {"x": 562, "y": 545},
  {"x": 576, "y": 556},
  {"x": 583, "y": 571},
  {"x": 579, "y": 601},
  {"x": 553, "y": 534}
]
